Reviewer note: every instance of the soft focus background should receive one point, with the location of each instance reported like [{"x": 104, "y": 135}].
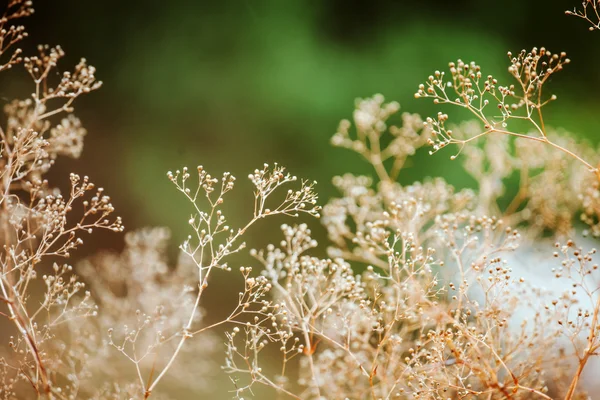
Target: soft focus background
[{"x": 232, "y": 84}]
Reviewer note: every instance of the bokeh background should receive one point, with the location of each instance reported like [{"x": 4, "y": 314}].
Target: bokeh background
[{"x": 232, "y": 84}]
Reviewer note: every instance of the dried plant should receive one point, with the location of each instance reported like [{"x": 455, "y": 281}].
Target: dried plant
[
  {"x": 41, "y": 226},
  {"x": 438, "y": 308},
  {"x": 428, "y": 292},
  {"x": 590, "y": 11},
  {"x": 430, "y": 315}
]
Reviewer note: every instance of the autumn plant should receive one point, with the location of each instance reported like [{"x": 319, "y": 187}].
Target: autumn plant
[
  {"x": 589, "y": 11},
  {"x": 40, "y": 226},
  {"x": 59, "y": 344},
  {"x": 427, "y": 292}
]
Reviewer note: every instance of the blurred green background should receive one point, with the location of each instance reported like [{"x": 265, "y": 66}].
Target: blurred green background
[{"x": 232, "y": 84}]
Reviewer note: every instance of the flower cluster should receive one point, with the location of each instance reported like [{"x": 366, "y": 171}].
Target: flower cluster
[
  {"x": 429, "y": 292},
  {"x": 424, "y": 291},
  {"x": 590, "y": 12},
  {"x": 41, "y": 227}
]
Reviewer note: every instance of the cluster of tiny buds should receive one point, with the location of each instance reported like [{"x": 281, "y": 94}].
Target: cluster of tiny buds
[
  {"x": 17, "y": 9},
  {"x": 536, "y": 63},
  {"x": 593, "y": 17},
  {"x": 441, "y": 136},
  {"x": 205, "y": 181},
  {"x": 265, "y": 180},
  {"x": 14, "y": 33}
]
